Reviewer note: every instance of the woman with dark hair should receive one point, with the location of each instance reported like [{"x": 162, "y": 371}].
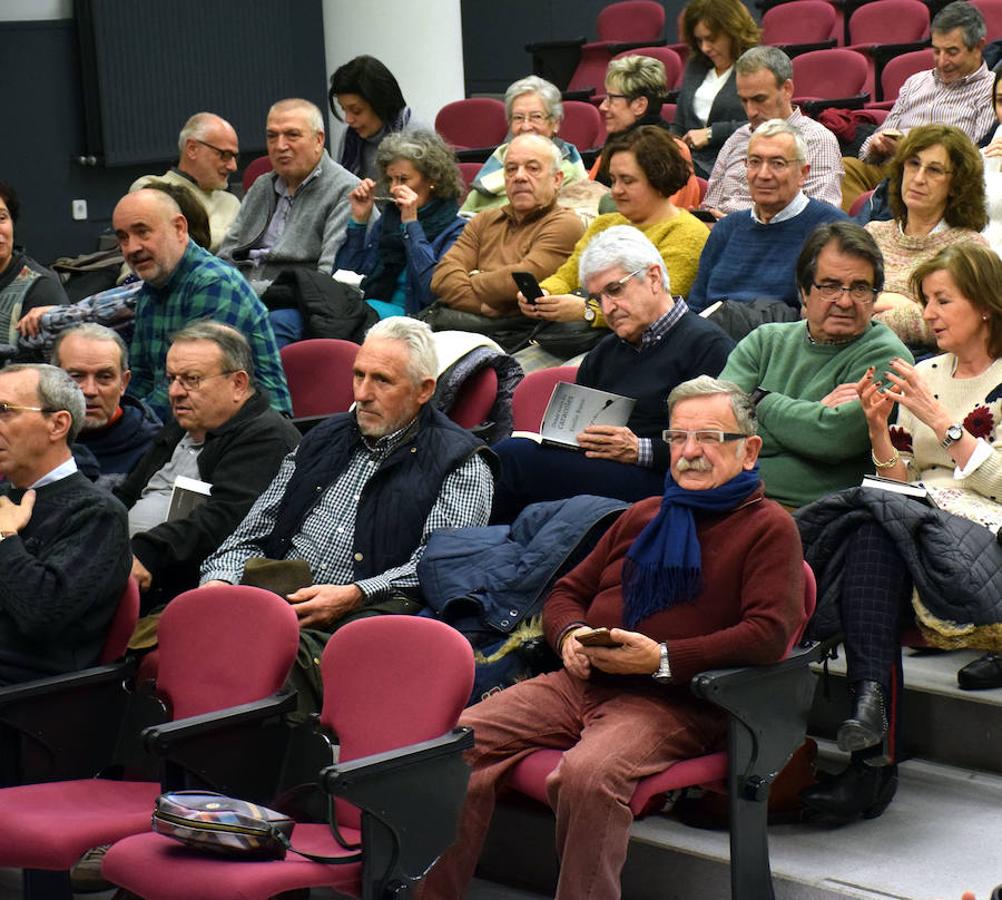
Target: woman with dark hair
[
  {"x": 708, "y": 110},
  {"x": 878, "y": 555},
  {"x": 373, "y": 106},
  {"x": 936, "y": 192},
  {"x": 24, "y": 283},
  {"x": 398, "y": 254}
]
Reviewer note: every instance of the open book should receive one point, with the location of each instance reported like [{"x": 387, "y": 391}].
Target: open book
[{"x": 572, "y": 408}]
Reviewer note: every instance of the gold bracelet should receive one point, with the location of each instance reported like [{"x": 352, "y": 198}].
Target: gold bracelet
[{"x": 893, "y": 461}]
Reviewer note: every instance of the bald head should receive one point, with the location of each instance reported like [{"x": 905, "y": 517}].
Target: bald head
[
  {"x": 152, "y": 234},
  {"x": 208, "y": 150}
]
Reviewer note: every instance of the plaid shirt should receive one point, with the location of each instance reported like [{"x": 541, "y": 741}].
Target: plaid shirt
[
  {"x": 201, "y": 287},
  {"x": 925, "y": 100},
  {"x": 326, "y": 539},
  {"x": 728, "y": 190}
]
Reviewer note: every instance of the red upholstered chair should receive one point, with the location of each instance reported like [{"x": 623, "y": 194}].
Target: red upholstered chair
[
  {"x": 859, "y": 202},
  {"x": 992, "y": 12},
  {"x": 830, "y": 78},
  {"x": 255, "y": 169},
  {"x": 319, "y": 374},
  {"x": 897, "y": 72},
  {"x": 884, "y": 30},
  {"x": 220, "y": 647},
  {"x": 533, "y": 393},
  {"x": 666, "y": 56},
  {"x": 469, "y": 171},
  {"x": 475, "y": 399},
  {"x": 668, "y": 112},
  {"x": 478, "y": 122},
  {"x": 397, "y": 687},
  {"x": 122, "y": 625},
  {"x": 768, "y": 707},
  {"x": 582, "y": 126},
  {"x": 800, "y": 26}
]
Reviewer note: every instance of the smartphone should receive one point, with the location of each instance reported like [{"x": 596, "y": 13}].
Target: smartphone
[
  {"x": 527, "y": 284},
  {"x": 597, "y": 637},
  {"x": 704, "y": 215}
]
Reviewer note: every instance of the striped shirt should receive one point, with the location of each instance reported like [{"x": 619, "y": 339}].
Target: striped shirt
[
  {"x": 924, "y": 99},
  {"x": 728, "y": 190},
  {"x": 326, "y": 538}
]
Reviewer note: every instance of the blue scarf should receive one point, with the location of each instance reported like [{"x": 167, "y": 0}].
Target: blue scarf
[{"x": 663, "y": 566}]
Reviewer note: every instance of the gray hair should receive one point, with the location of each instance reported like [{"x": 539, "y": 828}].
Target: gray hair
[
  {"x": 772, "y": 127},
  {"x": 91, "y": 331},
  {"x": 428, "y": 153},
  {"x": 314, "y": 117},
  {"x": 533, "y": 84},
  {"x": 422, "y": 358},
  {"x": 197, "y": 127},
  {"x": 621, "y": 246},
  {"x": 707, "y": 386},
  {"x": 233, "y": 347},
  {"x": 771, "y": 58},
  {"x": 57, "y": 392},
  {"x": 965, "y": 16},
  {"x": 552, "y": 150}
]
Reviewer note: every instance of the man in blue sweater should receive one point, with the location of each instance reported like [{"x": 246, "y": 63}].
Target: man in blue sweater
[{"x": 751, "y": 255}]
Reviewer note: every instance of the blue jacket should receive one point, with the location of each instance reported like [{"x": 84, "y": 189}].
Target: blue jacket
[
  {"x": 360, "y": 253},
  {"x": 497, "y": 575}
]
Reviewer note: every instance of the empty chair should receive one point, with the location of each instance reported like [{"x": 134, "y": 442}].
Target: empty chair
[
  {"x": 830, "y": 75},
  {"x": 582, "y": 126},
  {"x": 319, "y": 373},
  {"x": 800, "y": 26},
  {"x": 897, "y": 72},
  {"x": 474, "y": 123},
  {"x": 393, "y": 713},
  {"x": 533, "y": 393},
  {"x": 883, "y": 30}
]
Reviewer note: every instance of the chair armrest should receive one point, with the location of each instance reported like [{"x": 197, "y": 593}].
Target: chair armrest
[
  {"x": 621, "y": 47},
  {"x": 475, "y": 154},
  {"x": 546, "y": 46},
  {"x": 792, "y": 50},
  {"x": 584, "y": 95},
  {"x": 44, "y": 687},
  {"x": 411, "y": 799},
  {"x": 813, "y": 107}
]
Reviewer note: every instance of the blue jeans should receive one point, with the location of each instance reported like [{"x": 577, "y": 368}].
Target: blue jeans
[{"x": 287, "y": 325}]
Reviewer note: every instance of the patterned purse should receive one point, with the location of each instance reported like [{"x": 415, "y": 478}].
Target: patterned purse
[{"x": 230, "y": 827}]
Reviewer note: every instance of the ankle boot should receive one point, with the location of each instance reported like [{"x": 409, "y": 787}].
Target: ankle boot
[
  {"x": 868, "y": 723},
  {"x": 860, "y": 790}
]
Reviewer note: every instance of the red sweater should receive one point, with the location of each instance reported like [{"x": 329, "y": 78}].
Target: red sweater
[{"x": 751, "y": 605}]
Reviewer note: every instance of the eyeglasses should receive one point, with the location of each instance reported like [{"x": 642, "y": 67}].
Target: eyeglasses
[
  {"x": 935, "y": 171},
  {"x": 536, "y": 118},
  {"x": 859, "y": 291},
  {"x": 193, "y": 382},
  {"x": 614, "y": 288},
  {"x": 778, "y": 164},
  {"x": 9, "y": 409},
  {"x": 611, "y": 96},
  {"x": 676, "y": 437},
  {"x": 224, "y": 155}
]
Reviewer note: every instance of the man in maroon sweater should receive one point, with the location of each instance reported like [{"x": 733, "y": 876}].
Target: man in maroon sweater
[{"x": 626, "y": 712}]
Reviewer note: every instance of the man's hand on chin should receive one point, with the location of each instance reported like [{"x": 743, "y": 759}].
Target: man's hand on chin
[
  {"x": 320, "y": 605},
  {"x": 636, "y": 654}
]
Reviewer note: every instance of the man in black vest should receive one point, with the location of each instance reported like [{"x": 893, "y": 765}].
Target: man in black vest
[{"x": 360, "y": 496}]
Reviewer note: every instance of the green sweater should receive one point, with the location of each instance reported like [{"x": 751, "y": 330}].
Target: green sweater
[{"x": 809, "y": 449}]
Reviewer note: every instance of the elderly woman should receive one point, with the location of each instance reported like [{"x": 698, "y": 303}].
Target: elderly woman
[
  {"x": 370, "y": 103},
  {"x": 398, "y": 254},
  {"x": 533, "y": 106},
  {"x": 24, "y": 283},
  {"x": 646, "y": 169},
  {"x": 948, "y": 436},
  {"x": 635, "y": 88},
  {"x": 708, "y": 110},
  {"x": 937, "y": 195}
]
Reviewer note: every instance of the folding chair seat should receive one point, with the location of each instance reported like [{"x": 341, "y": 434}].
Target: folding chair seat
[
  {"x": 473, "y": 127},
  {"x": 220, "y": 647},
  {"x": 394, "y": 689},
  {"x": 800, "y": 26},
  {"x": 319, "y": 373},
  {"x": 768, "y": 708},
  {"x": 830, "y": 78}
]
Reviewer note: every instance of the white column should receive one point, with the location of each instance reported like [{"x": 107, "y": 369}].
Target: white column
[{"x": 421, "y": 43}]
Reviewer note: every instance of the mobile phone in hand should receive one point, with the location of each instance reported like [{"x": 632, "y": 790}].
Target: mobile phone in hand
[
  {"x": 527, "y": 284},
  {"x": 597, "y": 637}
]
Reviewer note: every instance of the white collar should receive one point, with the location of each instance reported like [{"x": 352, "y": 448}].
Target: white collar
[
  {"x": 794, "y": 208},
  {"x": 63, "y": 470}
]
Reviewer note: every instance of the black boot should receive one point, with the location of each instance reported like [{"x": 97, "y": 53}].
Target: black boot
[
  {"x": 860, "y": 790},
  {"x": 981, "y": 674},
  {"x": 868, "y": 723}
]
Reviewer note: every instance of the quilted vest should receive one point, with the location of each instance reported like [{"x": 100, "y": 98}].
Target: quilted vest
[{"x": 11, "y": 301}]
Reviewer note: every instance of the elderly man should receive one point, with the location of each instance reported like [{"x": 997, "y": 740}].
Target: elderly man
[
  {"x": 764, "y": 80},
  {"x": 956, "y": 91},
  {"x": 208, "y": 150},
  {"x": 656, "y": 344},
  {"x": 224, "y": 434},
  {"x": 531, "y": 233},
  {"x": 296, "y": 216},
  {"x": 183, "y": 283},
  {"x": 750, "y": 254},
  {"x": 117, "y": 429},
  {"x": 63, "y": 542},
  {"x": 623, "y": 713},
  {"x": 361, "y": 494},
  {"x": 804, "y": 374}
]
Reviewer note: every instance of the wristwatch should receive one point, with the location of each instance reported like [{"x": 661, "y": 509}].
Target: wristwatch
[
  {"x": 953, "y": 434},
  {"x": 663, "y": 674},
  {"x": 590, "y": 311}
]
